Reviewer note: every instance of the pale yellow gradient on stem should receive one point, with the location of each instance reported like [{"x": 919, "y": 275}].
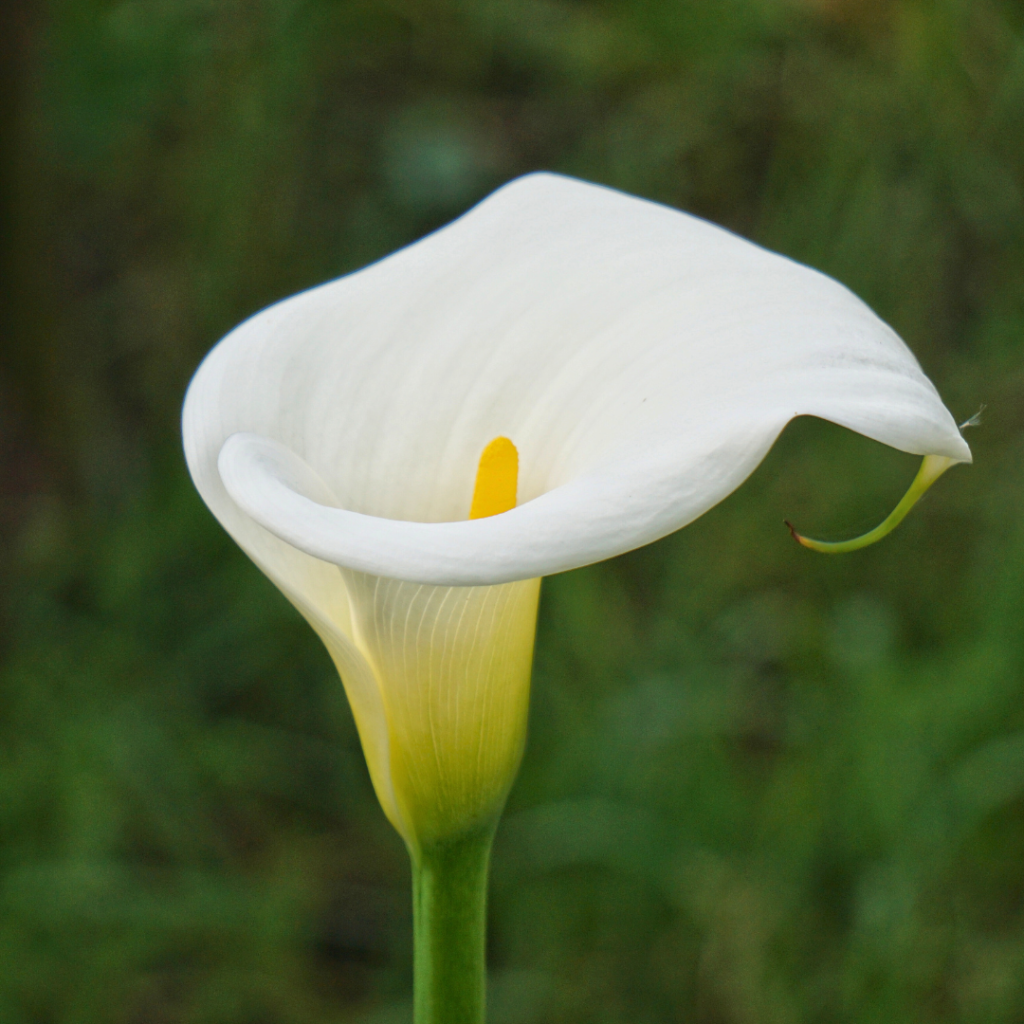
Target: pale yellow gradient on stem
[
  {"x": 453, "y": 671},
  {"x": 454, "y": 667}
]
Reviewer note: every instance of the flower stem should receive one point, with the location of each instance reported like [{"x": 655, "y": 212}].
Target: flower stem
[{"x": 449, "y": 896}]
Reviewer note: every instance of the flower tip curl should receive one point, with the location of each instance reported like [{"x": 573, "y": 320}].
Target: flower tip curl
[{"x": 932, "y": 467}]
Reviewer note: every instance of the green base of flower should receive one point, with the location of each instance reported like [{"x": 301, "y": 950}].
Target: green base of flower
[{"x": 449, "y": 930}]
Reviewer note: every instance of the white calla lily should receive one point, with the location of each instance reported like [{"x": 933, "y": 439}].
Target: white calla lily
[{"x": 641, "y": 360}]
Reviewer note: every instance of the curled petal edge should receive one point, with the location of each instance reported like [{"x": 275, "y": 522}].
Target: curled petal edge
[
  {"x": 594, "y": 517},
  {"x": 628, "y": 503}
]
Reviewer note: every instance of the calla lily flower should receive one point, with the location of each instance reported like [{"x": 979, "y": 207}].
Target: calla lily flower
[
  {"x": 640, "y": 360},
  {"x": 561, "y": 375}
]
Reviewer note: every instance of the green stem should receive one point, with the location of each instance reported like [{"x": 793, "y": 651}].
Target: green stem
[{"x": 449, "y": 894}]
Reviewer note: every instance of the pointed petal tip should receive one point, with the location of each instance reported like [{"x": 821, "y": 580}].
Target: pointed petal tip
[
  {"x": 972, "y": 421},
  {"x": 961, "y": 451}
]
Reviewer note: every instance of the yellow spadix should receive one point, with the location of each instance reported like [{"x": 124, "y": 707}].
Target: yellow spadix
[{"x": 497, "y": 478}]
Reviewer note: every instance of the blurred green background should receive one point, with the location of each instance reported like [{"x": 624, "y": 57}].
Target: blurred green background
[{"x": 762, "y": 786}]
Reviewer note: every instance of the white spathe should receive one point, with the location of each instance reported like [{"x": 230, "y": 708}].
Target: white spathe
[{"x": 642, "y": 361}]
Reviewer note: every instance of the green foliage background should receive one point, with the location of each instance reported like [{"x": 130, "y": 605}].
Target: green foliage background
[{"x": 762, "y": 786}]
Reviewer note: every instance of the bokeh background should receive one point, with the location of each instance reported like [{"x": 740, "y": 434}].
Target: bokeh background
[{"x": 762, "y": 786}]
